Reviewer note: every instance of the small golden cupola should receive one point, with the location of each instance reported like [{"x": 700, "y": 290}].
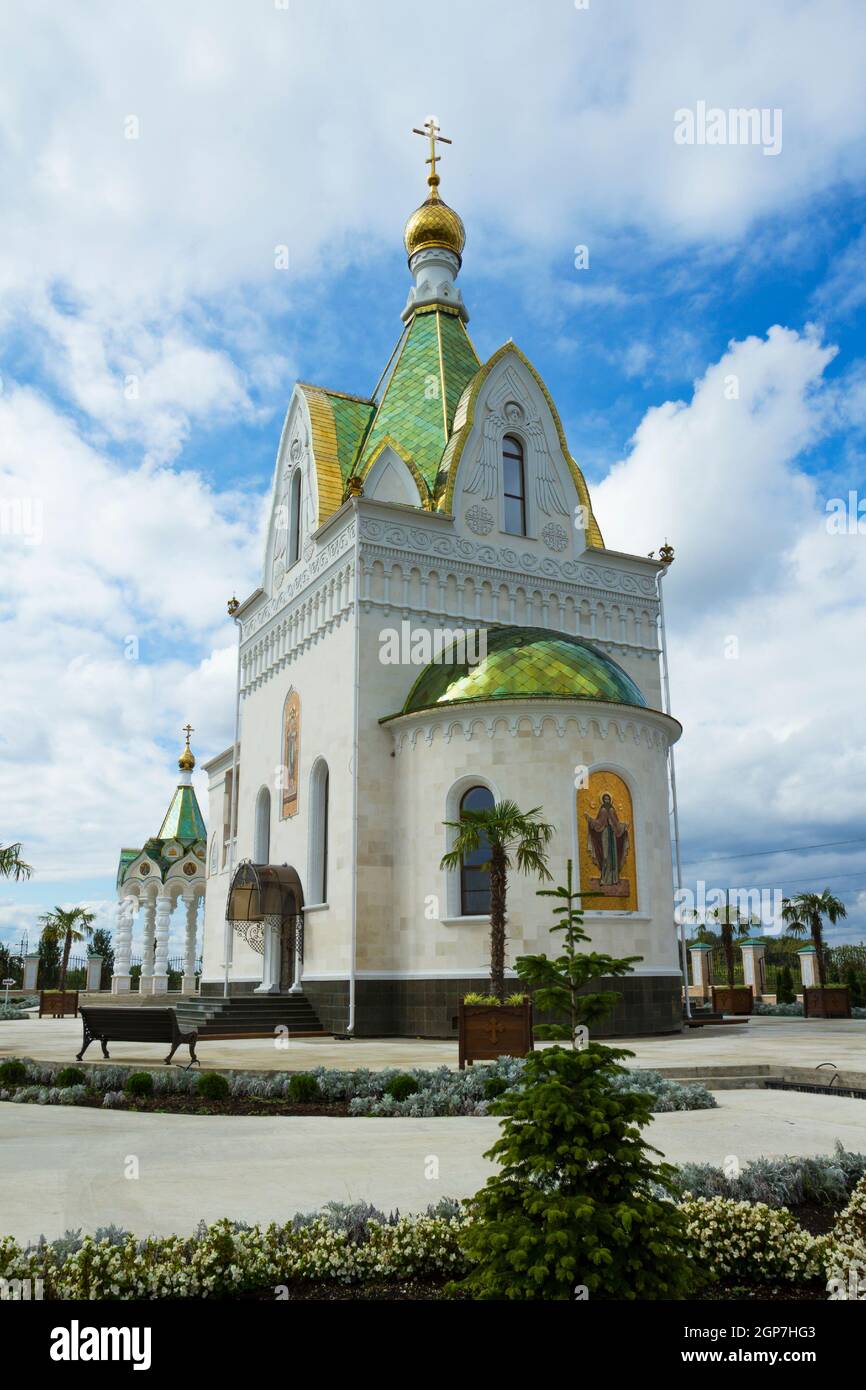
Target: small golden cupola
[
  {"x": 434, "y": 239},
  {"x": 434, "y": 224},
  {"x": 186, "y": 761}
]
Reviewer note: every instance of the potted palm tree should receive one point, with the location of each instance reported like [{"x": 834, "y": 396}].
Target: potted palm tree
[
  {"x": 62, "y": 927},
  {"x": 732, "y": 998},
  {"x": 510, "y": 838},
  {"x": 804, "y": 914}
]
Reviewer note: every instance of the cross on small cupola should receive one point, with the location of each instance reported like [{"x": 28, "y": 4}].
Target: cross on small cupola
[
  {"x": 186, "y": 761},
  {"x": 430, "y": 132}
]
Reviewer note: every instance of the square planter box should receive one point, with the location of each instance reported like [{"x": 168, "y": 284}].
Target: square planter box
[
  {"x": 488, "y": 1031},
  {"x": 832, "y": 1002},
  {"x": 58, "y": 1005},
  {"x": 732, "y": 1001}
]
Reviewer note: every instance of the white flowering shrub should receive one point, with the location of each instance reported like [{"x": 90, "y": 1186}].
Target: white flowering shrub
[
  {"x": 846, "y": 1258},
  {"x": 752, "y": 1242},
  {"x": 225, "y": 1259}
]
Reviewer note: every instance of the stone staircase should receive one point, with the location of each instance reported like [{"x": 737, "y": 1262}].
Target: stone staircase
[{"x": 250, "y": 1016}]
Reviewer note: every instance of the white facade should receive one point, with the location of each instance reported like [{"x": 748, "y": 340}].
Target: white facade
[{"x": 343, "y": 567}]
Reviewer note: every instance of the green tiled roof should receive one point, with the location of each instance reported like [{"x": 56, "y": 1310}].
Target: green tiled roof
[
  {"x": 126, "y": 858},
  {"x": 183, "y": 820},
  {"x": 351, "y": 420},
  {"x": 436, "y": 352},
  {"x": 529, "y": 663}
]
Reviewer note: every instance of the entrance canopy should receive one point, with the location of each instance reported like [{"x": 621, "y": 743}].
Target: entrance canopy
[{"x": 260, "y": 891}]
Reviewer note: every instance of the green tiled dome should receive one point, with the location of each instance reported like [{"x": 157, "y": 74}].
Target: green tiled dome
[{"x": 525, "y": 663}]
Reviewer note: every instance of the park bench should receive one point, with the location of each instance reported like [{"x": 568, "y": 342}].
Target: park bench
[{"x": 139, "y": 1024}]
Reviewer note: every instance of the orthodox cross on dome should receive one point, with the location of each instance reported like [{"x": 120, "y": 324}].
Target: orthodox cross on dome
[
  {"x": 431, "y": 133},
  {"x": 186, "y": 761}
]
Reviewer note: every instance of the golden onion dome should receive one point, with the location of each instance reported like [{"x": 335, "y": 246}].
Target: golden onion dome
[
  {"x": 434, "y": 224},
  {"x": 186, "y": 761}
]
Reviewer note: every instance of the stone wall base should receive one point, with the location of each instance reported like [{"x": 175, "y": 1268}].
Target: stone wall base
[{"x": 648, "y": 1005}]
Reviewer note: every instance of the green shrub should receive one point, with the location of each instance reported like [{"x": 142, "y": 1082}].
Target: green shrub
[
  {"x": 494, "y": 1086},
  {"x": 573, "y": 1204},
  {"x": 303, "y": 1089},
  {"x": 140, "y": 1083},
  {"x": 401, "y": 1086},
  {"x": 211, "y": 1086},
  {"x": 12, "y": 1072},
  {"x": 515, "y": 999},
  {"x": 70, "y": 1076},
  {"x": 475, "y": 998}
]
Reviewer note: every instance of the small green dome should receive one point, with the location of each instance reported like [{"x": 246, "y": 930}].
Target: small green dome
[{"x": 524, "y": 663}]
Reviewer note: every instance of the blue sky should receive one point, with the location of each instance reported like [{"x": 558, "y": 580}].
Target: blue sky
[{"x": 257, "y": 126}]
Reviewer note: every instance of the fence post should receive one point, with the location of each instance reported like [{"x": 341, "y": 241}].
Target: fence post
[{"x": 754, "y": 969}]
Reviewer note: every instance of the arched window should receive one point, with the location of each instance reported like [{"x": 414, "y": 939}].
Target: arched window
[
  {"x": 295, "y": 518},
  {"x": 474, "y": 880},
  {"x": 262, "y": 839},
  {"x": 514, "y": 483},
  {"x": 317, "y": 872}
]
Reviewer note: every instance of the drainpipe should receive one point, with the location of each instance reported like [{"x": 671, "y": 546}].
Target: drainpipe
[
  {"x": 233, "y": 808},
  {"x": 350, "y": 1026},
  {"x": 673, "y": 773}
]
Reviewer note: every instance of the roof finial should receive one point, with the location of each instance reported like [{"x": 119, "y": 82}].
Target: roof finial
[
  {"x": 186, "y": 761},
  {"x": 431, "y": 133}
]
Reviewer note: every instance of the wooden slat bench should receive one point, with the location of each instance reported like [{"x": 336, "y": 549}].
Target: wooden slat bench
[{"x": 140, "y": 1024}]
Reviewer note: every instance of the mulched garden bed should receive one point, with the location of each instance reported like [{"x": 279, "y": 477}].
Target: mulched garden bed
[{"x": 235, "y": 1105}]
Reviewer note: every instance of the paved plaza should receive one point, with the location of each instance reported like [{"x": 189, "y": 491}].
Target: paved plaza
[{"x": 783, "y": 1042}]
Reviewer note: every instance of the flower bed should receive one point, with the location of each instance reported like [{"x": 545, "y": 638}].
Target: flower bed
[
  {"x": 746, "y": 1248},
  {"x": 416, "y": 1094}
]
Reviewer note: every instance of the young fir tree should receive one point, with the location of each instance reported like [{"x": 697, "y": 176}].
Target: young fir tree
[{"x": 572, "y": 1211}]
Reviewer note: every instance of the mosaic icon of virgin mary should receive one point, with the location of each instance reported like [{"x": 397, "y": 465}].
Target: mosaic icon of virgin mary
[{"x": 607, "y": 840}]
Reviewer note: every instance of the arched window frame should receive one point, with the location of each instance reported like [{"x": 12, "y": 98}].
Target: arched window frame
[
  {"x": 319, "y": 828},
  {"x": 514, "y": 491},
  {"x": 262, "y": 827},
  {"x": 294, "y": 546},
  {"x": 453, "y": 800}
]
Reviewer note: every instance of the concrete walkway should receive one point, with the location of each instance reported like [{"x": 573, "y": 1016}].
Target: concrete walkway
[
  {"x": 775, "y": 1041},
  {"x": 65, "y": 1167}
]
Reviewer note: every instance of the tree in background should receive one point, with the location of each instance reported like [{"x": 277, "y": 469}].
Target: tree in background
[
  {"x": 11, "y": 863},
  {"x": 63, "y": 926},
  {"x": 49, "y": 962},
  {"x": 101, "y": 945},
  {"x": 572, "y": 1210},
  {"x": 785, "y": 986},
  {"x": 806, "y": 912},
  {"x": 513, "y": 837}
]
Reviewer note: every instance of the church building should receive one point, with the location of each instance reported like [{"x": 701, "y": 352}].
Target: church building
[{"x": 439, "y": 626}]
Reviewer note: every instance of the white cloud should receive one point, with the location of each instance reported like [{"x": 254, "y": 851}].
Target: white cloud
[{"x": 772, "y": 753}]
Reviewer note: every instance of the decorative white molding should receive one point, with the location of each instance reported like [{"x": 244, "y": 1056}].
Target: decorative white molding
[{"x": 648, "y": 727}]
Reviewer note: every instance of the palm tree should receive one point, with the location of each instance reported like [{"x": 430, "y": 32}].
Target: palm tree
[
  {"x": 512, "y": 837},
  {"x": 806, "y": 912},
  {"x": 66, "y": 925},
  {"x": 11, "y": 863}
]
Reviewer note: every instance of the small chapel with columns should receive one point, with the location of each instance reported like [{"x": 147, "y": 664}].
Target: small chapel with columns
[{"x": 153, "y": 881}]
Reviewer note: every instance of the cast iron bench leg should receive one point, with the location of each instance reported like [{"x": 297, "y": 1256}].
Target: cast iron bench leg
[{"x": 88, "y": 1039}]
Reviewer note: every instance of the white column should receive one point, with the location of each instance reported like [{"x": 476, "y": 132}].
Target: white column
[
  {"x": 188, "y": 981},
  {"x": 148, "y": 930},
  {"x": 297, "y": 985},
  {"x": 163, "y": 926},
  {"x": 122, "y": 945},
  {"x": 702, "y": 969}
]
